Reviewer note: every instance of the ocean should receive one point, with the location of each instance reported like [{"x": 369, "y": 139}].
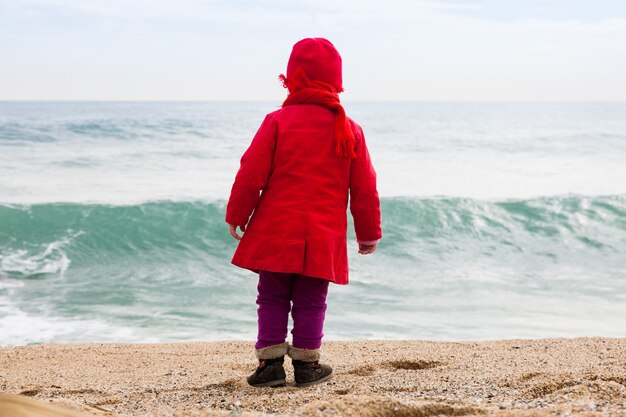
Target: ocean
[{"x": 500, "y": 220}]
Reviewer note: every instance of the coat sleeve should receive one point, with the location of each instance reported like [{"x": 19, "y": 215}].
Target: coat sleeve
[
  {"x": 254, "y": 171},
  {"x": 364, "y": 200}
]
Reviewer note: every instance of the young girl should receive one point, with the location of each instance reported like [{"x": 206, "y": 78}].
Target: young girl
[{"x": 295, "y": 179}]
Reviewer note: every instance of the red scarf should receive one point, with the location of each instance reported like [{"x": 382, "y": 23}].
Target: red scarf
[{"x": 304, "y": 91}]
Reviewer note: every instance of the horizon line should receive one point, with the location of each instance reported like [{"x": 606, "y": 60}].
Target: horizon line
[{"x": 612, "y": 101}]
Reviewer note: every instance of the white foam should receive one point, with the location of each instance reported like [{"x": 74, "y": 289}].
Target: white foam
[
  {"x": 52, "y": 260},
  {"x": 8, "y": 283},
  {"x": 18, "y": 327}
]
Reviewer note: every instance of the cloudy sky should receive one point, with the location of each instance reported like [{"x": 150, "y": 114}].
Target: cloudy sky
[{"x": 555, "y": 50}]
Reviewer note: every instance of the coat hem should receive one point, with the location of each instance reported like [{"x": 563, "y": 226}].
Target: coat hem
[{"x": 256, "y": 267}]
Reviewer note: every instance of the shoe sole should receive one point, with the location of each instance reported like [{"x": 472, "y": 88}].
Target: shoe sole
[
  {"x": 317, "y": 381},
  {"x": 277, "y": 383}
]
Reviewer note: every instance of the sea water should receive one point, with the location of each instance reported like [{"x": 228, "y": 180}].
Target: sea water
[{"x": 500, "y": 220}]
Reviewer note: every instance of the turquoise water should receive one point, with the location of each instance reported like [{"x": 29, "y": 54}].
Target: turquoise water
[{"x": 499, "y": 221}]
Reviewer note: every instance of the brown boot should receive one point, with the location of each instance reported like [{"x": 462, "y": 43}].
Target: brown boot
[
  {"x": 270, "y": 372},
  {"x": 307, "y": 369}
]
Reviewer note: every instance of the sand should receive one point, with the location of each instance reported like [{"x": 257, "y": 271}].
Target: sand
[{"x": 583, "y": 376}]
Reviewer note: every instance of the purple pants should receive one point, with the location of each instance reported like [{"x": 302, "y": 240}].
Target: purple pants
[{"x": 304, "y": 296}]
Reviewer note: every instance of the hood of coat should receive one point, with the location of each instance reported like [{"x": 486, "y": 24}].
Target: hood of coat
[{"x": 319, "y": 60}]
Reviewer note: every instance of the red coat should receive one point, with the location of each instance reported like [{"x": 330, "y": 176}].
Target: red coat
[{"x": 296, "y": 189}]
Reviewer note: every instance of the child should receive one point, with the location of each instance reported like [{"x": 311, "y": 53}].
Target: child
[{"x": 295, "y": 179}]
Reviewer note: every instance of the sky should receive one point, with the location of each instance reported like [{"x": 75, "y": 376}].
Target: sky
[{"x": 436, "y": 50}]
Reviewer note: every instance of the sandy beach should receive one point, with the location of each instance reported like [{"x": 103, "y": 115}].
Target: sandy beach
[{"x": 583, "y": 376}]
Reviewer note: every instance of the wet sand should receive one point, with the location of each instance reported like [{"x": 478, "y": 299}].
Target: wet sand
[{"x": 584, "y": 376}]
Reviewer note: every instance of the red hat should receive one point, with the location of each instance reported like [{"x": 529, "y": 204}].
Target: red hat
[{"x": 319, "y": 60}]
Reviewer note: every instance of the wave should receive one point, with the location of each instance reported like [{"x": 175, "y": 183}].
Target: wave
[
  {"x": 47, "y": 238},
  {"x": 546, "y": 216},
  {"x": 16, "y": 133}
]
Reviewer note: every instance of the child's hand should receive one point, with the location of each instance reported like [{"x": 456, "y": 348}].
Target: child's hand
[
  {"x": 232, "y": 228},
  {"x": 367, "y": 249}
]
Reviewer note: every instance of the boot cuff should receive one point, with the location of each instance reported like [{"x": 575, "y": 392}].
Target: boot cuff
[
  {"x": 272, "y": 352},
  {"x": 306, "y": 355}
]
